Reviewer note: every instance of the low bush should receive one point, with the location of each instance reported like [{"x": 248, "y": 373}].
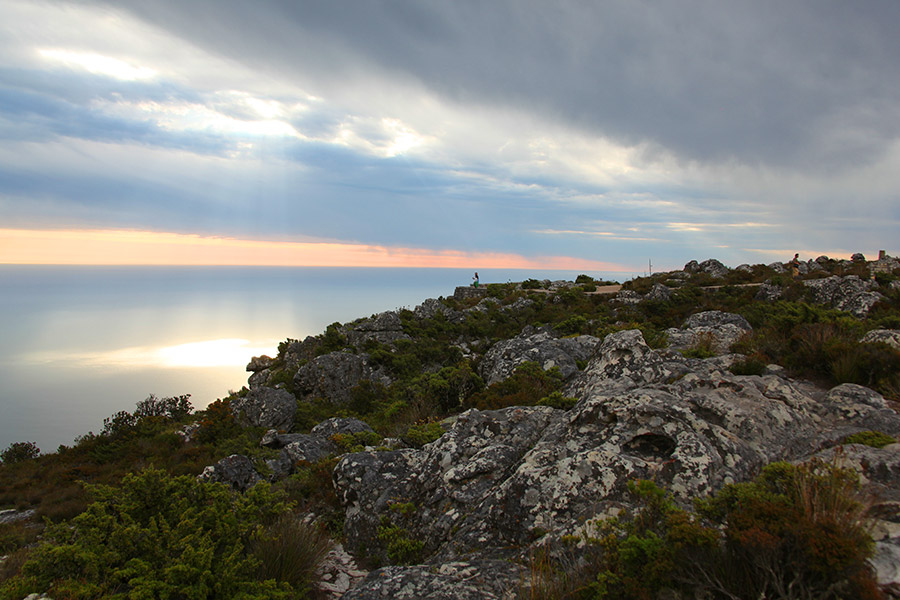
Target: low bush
[
  {"x": 875, "y": 439},
  {"x": 157, "y": 536},
  {"x": 19, "y": 451},
  {"x": 528, "y": 384}
]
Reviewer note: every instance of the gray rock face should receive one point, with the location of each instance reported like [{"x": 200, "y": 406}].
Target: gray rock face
[
  {"x": 463, "y": 293},
  {"x": 724, "y": 329},
  {"x": 384, "y": 328},
  {"x": 541, "y": 347},
  {"x": 476, "y": 580},
  {"x": 332, "y": 376},
  {"x": 308, "y": 447},
  {"x": 431, "y": 308},
  {"x": 891, "y": 337},
  {"x": 235, "y": 470},
  {"x": 849, "y": 293},
  {"x": 628, "y": 297},
  {"x": 260, "y": 363},
  {"x": 266, "y": 407},
  {"x": 658, "y": 292},
  {"x": 710, "y": 266},
  {"x": 769, "y": 292},
  {"x": 499, "y": 482}
]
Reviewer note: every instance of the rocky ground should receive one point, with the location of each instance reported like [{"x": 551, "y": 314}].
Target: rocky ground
[{"x": 473, "y": 504}]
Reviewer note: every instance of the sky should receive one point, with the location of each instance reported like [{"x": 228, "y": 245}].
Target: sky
[{"x": 604, "y": 136}]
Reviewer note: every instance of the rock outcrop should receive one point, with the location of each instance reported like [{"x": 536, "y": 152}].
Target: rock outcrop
[
  {"x": 542, "y": 347},
  {"x": 266, "y": 407},
  {"x": 722, "y": 329},
  {"x": 309, "y": 447},
  {"x": 499, "y": 481},
  {"x": 332, "y": 376},
  {"x": 236, "y": 470},
  {"x": 849, "y": 293}
]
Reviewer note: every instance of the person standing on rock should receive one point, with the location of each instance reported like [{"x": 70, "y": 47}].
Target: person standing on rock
[
  {"x": 795, "y": 266},
  {"x": 475, "y": 280}
]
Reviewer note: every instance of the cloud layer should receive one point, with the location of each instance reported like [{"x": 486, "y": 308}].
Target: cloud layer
[{"x": 614, "y": 131}]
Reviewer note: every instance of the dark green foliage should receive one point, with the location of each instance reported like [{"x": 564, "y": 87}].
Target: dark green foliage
[
  {"x": 159, "y": 536},
  {"x": 573, "y": 326},
  {"x": 19, "y": 451},
  {"x": 875, "y": 439},
  {"x": 528, "y": 384},
  {"x": 557, "y": 400},
  {"x": 355, "y": 442},
  {"x": 422, "y": 433},
  {"x": 217, "y": 423},
  {"x": 751, "y": 365},
  {"x": 532, "y": 284},
  {"x": 332, "y": 340},
  {"x": 793, "y": 532},
  {"x": 289, "y": 551},
  {"x": 703, "y": 347},
  {"x": 584, "y": 279},
  {"x": 400, "y": 548}
]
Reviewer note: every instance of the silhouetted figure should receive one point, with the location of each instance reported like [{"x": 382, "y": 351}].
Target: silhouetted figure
[
  {"x": 475, "y": 280},
  {"x": 795, "y": 266}
]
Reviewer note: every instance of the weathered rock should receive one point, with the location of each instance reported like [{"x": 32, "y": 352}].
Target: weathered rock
[
  {"x": 724, "y": 329},
  {"x": 12, "y": 515},
  {"x": 628, "y": 297},
  {"x": 849, "y": 293},
  {"x": 258, "y": 379},
  {"x": 499, "y": 481},
  {"x": 658, "y": 292},
  {"x": 266, "y": 407},
  {"x": 778, "y": 267},
  {"x": 430, "y": 308},
  {"x": 260, "y": 363},
  {"x": 464, "y": 293},
  {"x": 332, "y": 376},
  {"x": 891, "y": 337},
  {"x": 235, "y": 470},
  {"x": 541, "y": 347},
  {"x": 475, "y": 580},
  {"x": 769, "y": 292},
  {"x": 187, "y": 432},
  {"x": 384, "y": 328},
  {"x": 308, "y": 447},
  {"x": 337, "y": 574},
  {"x": 858, "y": 257}
]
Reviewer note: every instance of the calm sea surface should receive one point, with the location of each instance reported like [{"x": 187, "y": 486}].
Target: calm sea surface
[{"x": 80, "y": 343}]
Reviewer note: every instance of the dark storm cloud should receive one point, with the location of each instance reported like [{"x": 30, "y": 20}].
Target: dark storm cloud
[{"x": 809, "y": 83}]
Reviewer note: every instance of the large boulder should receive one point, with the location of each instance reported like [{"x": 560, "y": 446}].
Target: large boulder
[
  {"x": 332, "y": 376},
  {"x": 499, "y": 481},
  {"x": 710, "y": 266},
  {"x": 266, "y": 407},
  {"x": 541, "y": 347},
  {"x": 723, "y": 329},
  {"x": 236, "y": 470},
  {"x": 849, "y": 293},
  {"x": 384, "y": 328},
  {"x": 309, "y": 447},
  {"x": 470, "y": 580},
  {"x": 891, "y": 337}
]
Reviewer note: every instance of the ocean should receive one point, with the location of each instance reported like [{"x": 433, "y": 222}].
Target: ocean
[{"x": 78, "y": 344}]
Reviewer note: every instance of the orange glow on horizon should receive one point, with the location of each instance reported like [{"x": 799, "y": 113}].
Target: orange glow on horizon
[{"x": 126, "y": 247}]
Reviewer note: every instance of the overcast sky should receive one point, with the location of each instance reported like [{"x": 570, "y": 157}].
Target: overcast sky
[{"x": 525, "y": 132}]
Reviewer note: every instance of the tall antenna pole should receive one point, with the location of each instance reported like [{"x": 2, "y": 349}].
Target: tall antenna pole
[{"x": 650, "y": 265}]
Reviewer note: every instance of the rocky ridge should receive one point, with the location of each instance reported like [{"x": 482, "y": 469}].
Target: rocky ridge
[{"x": 499, "y": 483}]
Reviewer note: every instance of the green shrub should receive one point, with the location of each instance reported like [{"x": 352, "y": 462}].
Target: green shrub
[
  {"x": 573, "y": 325},
  {"x": 751, "y": 365},
  {"x": 158, "y": 536},
  {"x": 217, "y": 423},
  {"x": 19, "y": 451},
  {"x": 532, "y": 284},
  {"x": 703, "y": 346},
  {"x": 875, "y": 439},
  {"x": 525, "y": 387},
  {"x": 423, "y": 433},
  {"x": 400, "y": 547},
  {"x": 290, "y": 551},
  {"x": 557, "y": 400},
  {"x": 584, "y": 279}
]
